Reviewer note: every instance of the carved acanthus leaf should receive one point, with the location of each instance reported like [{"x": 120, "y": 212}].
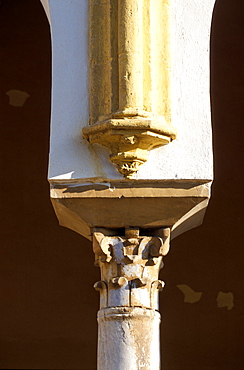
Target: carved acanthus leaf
[{"x": 130, "y": 266}]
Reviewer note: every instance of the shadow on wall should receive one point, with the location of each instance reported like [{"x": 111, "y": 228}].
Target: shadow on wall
[{"x": 48, "y": 305}]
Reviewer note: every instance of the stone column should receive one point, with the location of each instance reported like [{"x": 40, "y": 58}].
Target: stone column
[
  {"x": 114, "y": 99},
  {"x": 128, "y": 320}
]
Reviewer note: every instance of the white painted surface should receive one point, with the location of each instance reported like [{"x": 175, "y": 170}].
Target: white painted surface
[{"x": 188, "y": 157}]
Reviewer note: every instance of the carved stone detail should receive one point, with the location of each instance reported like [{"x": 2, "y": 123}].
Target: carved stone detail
[
  {"x": 130, "y": 109},
  {"x": 127, "y": 167},
  {"x": 130, "y": 266}
]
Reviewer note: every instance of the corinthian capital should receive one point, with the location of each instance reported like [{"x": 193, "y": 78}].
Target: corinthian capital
[{"x": 130, "y": 266}]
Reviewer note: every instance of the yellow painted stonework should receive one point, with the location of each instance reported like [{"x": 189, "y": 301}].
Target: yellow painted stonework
[{"x": 129, "y": 79}]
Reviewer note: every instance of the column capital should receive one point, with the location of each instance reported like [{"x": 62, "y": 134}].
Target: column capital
[{"x": 130, "y": 266}]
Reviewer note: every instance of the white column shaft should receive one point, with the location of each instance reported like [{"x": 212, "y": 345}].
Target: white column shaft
[{"x": 128, "y": 339}]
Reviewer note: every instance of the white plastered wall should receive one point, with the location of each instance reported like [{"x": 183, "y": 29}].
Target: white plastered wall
[{"x": 189, "y": 156}]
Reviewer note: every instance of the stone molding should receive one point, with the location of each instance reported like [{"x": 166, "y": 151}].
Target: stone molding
[{"x": 130, "y": 110}]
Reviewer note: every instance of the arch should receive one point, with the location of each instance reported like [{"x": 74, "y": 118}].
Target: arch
[{"x": 45, "y": 5}]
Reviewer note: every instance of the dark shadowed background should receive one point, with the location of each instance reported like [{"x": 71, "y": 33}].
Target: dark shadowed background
[{"x": 48, "y": 305}]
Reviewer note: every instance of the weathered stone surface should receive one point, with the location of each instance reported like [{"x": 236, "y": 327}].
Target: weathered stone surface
[
  {"x": 130, "y": 267},
  {"x": 129, "y": 79},
  {"x": 128, "y": 320},
  {"x": 179, "y": 205},
  {"x": 128, "y": 338}
]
